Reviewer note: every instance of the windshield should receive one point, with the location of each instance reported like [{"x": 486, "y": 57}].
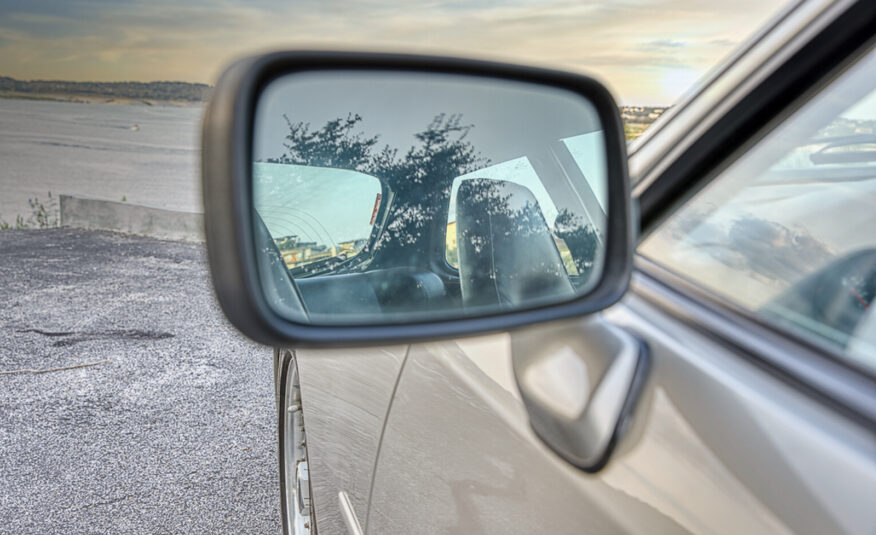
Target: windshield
[{"x": 299, "y": 206}]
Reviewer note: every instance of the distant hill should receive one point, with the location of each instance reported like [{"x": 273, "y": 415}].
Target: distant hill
[
  {"x": 636, "y": 118},
  {"x": 170, "y": 91}
]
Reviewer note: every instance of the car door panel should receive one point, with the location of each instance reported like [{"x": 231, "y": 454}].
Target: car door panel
[
  {"x": 716, "y": 446},
  {"x": 761, "y": 447},
  {"x": 346, "y": 398},
  {"x": 458, "y": 456}
]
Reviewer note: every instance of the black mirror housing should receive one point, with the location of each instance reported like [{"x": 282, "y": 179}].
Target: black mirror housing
[{"x": 227, "y": 169}]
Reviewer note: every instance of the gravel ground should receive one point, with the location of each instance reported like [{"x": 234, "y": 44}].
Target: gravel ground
[{"x": 174, "y": 433}]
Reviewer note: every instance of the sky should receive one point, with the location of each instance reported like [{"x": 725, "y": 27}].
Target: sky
[{"x": 647, "y": 52}]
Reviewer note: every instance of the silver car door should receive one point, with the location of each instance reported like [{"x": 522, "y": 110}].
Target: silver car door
[
  {"x": 458, "y": 456},
  {"x": 716, "y": 448},
  {"x": 758, "y": 415}
]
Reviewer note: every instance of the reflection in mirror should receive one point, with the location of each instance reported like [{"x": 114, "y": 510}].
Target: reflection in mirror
[{"x": 407, "y": 196}]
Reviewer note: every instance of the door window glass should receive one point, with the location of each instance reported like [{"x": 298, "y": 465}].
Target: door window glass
[{"x": 789, "y": 229}]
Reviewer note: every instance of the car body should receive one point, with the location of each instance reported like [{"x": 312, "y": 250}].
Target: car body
[{"x": 748, "y": 421}]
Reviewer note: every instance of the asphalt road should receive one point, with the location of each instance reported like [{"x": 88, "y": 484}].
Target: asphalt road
[{"x": 171, "y": 432}]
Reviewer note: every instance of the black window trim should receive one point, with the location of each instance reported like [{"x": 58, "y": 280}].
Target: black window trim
[{"x": 809, "y": 366}]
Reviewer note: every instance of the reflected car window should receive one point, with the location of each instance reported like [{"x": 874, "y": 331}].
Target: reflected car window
[{"x": 787, "y": 230}]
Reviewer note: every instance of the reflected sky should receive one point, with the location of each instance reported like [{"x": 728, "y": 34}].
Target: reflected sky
[{"x": 508, "y": 118}]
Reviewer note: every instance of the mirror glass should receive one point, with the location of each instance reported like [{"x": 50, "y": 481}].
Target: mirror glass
[{"x": 399, "y": 196}]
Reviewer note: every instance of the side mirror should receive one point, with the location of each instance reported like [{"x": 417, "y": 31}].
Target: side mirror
[{"x": 361, "y": 199}]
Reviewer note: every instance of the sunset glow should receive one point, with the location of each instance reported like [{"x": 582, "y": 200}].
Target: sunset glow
[{"x": 647, "y": 52}]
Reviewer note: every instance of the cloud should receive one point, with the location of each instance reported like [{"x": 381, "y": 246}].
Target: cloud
[
  {"x": 726, "y": 43},
  {"x": 663, "y": 43}
]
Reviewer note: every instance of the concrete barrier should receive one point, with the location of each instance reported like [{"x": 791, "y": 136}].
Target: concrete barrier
[{"x": 99, "y": 214}]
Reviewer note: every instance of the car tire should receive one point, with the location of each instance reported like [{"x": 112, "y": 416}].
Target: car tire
[{"x": 296, "y": 509}]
